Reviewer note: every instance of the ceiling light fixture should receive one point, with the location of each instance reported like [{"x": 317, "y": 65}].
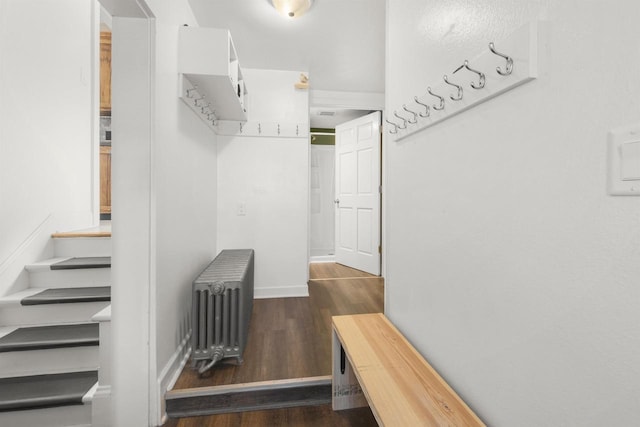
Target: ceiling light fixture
[{"x": 292, "y": 8}]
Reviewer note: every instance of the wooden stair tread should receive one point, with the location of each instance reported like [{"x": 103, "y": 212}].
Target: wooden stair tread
[
  {"x": 82, "y": 262},
  {"x": 401, "y": 387},
  {"x": 73, "y": 234},
  {"x": 42, "y": 391},
  {"x": 51, "y": 336},
  {"x": 69, "y": 295}
]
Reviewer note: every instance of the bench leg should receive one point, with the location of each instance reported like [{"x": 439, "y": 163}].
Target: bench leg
[{"x": 347, "y": 393}]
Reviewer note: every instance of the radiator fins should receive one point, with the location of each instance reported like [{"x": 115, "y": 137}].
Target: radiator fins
[{"x": 222, "y": 306}]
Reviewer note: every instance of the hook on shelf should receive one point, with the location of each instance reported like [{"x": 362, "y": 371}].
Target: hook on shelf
[
  {"x": 460, "y": 94},
  {"x": 427, "y": 110},
  {"x": 509, "y": 65},
  {"x": 414, "y": 120},
  {"x": 481, "y": 76},
  {"x": 395, "y": 127},
  {"x": 441, "y": 98}
]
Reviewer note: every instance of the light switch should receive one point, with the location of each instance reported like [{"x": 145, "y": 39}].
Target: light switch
[
  {"x": 242, "y": 209},
  {"x": 624, "y": 161},
  {"x": 630, "y": 161}
]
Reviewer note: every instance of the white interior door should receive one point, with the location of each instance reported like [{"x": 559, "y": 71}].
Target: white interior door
[{"x": 358, "y": 193}]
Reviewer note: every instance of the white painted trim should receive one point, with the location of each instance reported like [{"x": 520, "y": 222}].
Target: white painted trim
[
  {"x": 101, "y": 407},
  {"x": 350, "y": 100},
  {"x": 103, "y": 315},
  {"x": 169, "y": 375},
  {"x": 94, "y": 137},
  {"x": 36, "y": 245},
  {"x": 281, "y": 292},
  {"x": 322, "y": 259},
  {"x": 88, "y": 396}
]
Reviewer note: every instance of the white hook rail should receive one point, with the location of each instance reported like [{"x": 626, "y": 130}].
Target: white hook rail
[
  {"x": 268, "y": 129},
  {"x": 503, "y": 66}
]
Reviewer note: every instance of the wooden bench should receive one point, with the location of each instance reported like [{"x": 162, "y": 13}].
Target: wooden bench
[{"x": 373, "y": 364}]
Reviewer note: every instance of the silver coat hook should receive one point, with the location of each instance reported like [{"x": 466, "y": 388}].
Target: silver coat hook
[
  {"x": 481, "y": 76},
  {"x": 414, "y": 120},
  {"x": 427, "y": 110},
  {"x": 441, "y": 98},
  {"x": 509, "y": 66},
  {"x": 458, "y": 97},
  {"x": 395, "y": 127},
  {"x": 404, "y": 121}
]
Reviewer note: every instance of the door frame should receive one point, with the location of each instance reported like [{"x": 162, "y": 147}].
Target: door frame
[{"x": 350, "y": 101}]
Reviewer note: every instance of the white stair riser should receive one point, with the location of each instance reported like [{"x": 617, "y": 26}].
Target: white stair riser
[
  {"x": 82, "y": 246},
  {"x": 70, "y": 278},
  {"x": 62, "y": 416},
  {"x": 49, "y": 361},
  {"x": 22, "y": 315}
]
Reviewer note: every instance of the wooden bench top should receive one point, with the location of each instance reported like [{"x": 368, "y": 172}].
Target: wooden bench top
[{"x": 402, "y": 389}]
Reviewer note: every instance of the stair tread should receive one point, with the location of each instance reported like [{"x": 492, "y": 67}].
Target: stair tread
[
  {"x": 82, "y": 262},
  {"x": 69, "y": 295},
  {"x": 40, "y": 391},
  {"x": 50, "y": 336}
]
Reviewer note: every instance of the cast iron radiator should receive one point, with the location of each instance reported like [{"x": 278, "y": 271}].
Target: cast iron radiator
[{"x": 222, "y": 305}]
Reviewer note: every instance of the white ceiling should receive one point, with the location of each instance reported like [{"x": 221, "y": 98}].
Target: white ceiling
[{"x": 339, "y": 42}]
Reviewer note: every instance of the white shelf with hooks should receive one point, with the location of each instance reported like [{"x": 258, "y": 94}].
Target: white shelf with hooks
[
  {"x": 209, "y": 65},
  {"x": 521, "y": 47}
]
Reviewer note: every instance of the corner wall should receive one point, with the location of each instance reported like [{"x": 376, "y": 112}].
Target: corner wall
[
  {"x": 269, "y": 176},
  {"x": 508, "y": 265},
  {"x": 164, "y": 210},
  {"x": 48, "y": 113}
]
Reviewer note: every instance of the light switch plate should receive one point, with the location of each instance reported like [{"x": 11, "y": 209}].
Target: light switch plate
[{"x": 623, "y": 146}]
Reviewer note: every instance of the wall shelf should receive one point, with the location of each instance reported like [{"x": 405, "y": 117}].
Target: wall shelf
[{"x": 212, "y": 83}]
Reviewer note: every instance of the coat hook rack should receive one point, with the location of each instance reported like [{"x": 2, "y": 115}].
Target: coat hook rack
[
  {"x": 413, "y": 120},
  {"x": 460, "y": 93},
  {"x": 515, "y": 64},
  {"x": 440, "y": 106},
  {"x": 395, "y": 127},
  {"x": 404, "y": 121},
  {"x": 427, "y": 110},
  {"x": 481, "y": 77},
  {"x": 508, "y": 67}
]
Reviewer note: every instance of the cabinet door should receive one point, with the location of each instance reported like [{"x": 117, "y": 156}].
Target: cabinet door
[
  {"x": 105, "y": 179},
  {"x": 105, "y": 72}
]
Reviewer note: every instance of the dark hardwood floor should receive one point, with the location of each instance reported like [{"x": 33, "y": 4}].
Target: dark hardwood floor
[{"x": 291, "y": 338}]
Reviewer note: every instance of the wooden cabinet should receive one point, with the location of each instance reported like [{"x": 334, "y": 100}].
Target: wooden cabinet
[
  {"x": 105, "y": 179},
  {"x": 105, "y": 73},
  {"x": 207, "y": 58}
]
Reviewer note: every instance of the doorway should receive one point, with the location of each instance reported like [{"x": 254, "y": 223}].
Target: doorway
[
  {"x": 326, "y": 235},
  {"x": 105, "y": 115}
]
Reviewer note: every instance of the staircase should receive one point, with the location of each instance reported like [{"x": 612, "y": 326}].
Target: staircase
[{"x": 49, "y": 344}]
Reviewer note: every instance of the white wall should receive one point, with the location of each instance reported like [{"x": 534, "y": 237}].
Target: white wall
[
  {"x": 270, "y": 176},
  {"x": 508, "y": 265},
  {"x": 164, "y": 211},
  {"x": 185, "y": 183},
  {"x": 322, "y": 208},
  {"x": 48, "y": 112}
]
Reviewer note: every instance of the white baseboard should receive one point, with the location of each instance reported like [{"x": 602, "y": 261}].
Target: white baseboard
[
  {"x": 169, "y": 375},
  {"x": 281, "y": 292},
  {"x": 322, "y": 258}
]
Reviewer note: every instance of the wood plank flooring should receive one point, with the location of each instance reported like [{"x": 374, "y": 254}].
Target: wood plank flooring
[{"x": 291, "y": 338}]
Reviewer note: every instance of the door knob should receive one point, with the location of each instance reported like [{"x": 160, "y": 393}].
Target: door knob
[{"x": 336, "y": 201}]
